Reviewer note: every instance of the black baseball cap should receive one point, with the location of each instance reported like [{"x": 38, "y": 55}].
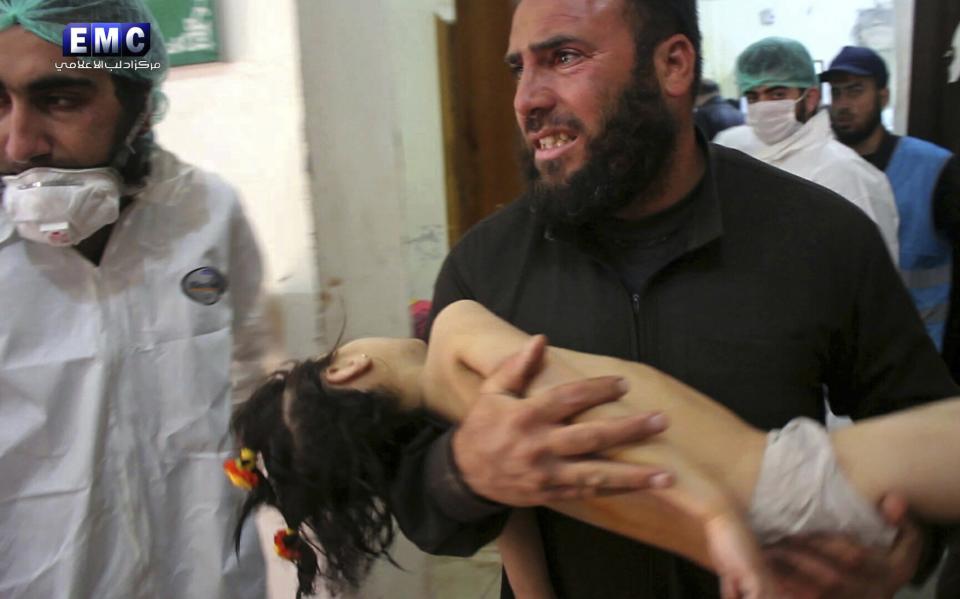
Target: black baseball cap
[{"x": 856, "y": 60}]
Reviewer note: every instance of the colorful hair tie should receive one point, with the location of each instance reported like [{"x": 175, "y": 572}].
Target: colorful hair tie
[
  {"x": 286, "y": 541},
  {"x": 242, "y": 471}
]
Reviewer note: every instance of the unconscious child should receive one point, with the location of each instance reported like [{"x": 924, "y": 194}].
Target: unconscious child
[{"x": 322, "y": 438}]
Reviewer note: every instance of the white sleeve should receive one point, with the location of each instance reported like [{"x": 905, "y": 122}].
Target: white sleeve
[
  {"x": 250, "y": 330},
  {"x": 868, "y": 190}
]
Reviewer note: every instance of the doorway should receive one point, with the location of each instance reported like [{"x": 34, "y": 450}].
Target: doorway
[
  {"x": 479, "y": 127},
  {"x": 935, "y": 93}
]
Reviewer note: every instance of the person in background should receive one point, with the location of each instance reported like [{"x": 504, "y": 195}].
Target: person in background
[
  {"x": 132, "y": 291},
  {"x": 786, "y": 128},
  {"x": 637, "y": 239},
  {"x": 925, "y": 180},
  {"x": 926, "y": 184},
  {"x": 714, "y": 113}
]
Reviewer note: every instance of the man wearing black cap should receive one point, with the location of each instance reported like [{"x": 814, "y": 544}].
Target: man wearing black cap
[
  {"x": 925, "y": 180},
  {"x": 926, "y": 183}
]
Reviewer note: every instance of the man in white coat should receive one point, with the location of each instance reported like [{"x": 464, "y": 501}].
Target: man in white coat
[
  {"x": 785, "y": 128},
  {"x": 131, "y": 289}
]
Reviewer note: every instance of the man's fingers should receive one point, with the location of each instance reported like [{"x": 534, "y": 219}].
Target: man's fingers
[
  {"x": 907, "y": 550},
  {"x": 827, "y": 565},
  {"x": 536, "y": 456},
  {"x": 788, "y": 582},
  {"x": 797, "y": 566},
  {"x": 594, "y": 437},
  {"x": 515, "y": 373},
  {"x": 592, "y": 478},
  {"x": 562, "y": 402},
  {"x": 840, "y": 551},
  {"x": 894, "y": 508}
]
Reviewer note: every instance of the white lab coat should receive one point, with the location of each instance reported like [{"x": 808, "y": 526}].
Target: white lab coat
[
  {"x": 115, "y": 397},
  {"x": 814, "y": 154}
]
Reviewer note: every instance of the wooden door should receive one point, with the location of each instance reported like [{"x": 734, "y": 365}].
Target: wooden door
[{"x": 479, "y": 128}]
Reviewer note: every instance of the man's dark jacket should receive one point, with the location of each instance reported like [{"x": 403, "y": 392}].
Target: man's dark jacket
[{"x": 782, "y": 290}]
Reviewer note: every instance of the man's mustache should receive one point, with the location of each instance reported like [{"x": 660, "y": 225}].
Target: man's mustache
[{"x": 535, "y": 122}]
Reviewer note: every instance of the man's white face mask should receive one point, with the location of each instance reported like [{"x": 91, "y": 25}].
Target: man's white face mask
[
  {"x": 62, "y": 207},
  {"x": 775, "y": 120}
]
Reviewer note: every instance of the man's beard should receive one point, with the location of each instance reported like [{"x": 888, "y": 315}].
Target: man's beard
[
  {"x": 857, "y": 136},
  {"x": 625, "y": 162}
]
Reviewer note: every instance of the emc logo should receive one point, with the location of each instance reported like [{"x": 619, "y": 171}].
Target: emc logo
[{"x": 106, "y": 39}]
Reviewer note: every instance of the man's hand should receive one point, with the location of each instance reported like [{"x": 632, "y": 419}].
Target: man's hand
[
  {"x": 525, "y": 453},
  {"x": 834, "y": 566}
]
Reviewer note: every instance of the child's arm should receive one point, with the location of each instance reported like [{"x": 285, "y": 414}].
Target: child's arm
[
  {"x": 914, "y": 453},
  {"x": 523, "y": 557},
  {"x": 468, "y": 343}
]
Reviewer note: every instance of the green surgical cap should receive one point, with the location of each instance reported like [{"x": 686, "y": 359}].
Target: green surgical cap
[
  {"x": 48, "y": 18},
  {"x": 775, "y": 62}
]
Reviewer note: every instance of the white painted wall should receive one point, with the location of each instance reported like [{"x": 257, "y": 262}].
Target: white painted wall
[
  {"x": 243, "y": 119},
  {"x": 376, "y": 157},
  {"x": 414, "y": 41},
  {"x": 823, "y": 26},
  {"x": 356, "y": 163}
]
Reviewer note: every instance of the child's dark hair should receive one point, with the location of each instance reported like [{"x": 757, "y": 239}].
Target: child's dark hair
[{"x": 328, "y": 454}]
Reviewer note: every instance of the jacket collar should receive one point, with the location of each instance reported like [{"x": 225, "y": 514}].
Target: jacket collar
[{"x": 706, "y": 224}]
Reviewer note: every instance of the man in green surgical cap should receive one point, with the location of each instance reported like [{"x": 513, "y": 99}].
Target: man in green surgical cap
[
  {"x": 786, "y": 128},
  {"x": 131, "y": 293}
]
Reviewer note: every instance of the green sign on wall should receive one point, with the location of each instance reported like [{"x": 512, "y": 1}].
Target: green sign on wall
[{"x": 189, "y": 29}]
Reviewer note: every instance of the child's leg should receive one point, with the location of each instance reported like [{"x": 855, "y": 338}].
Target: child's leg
[
  {"x": 729, "y": 547},
  {"x": 523, "y": 557},
  {"x": 696, "y": 517}
]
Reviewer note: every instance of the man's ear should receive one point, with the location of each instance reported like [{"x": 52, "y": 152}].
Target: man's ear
[
  {"x": 884, "y": 97},
  {"x": 347, "y": 369},
  {"x": 675, "y": 61},
  {"x": 811, "y": 102}
]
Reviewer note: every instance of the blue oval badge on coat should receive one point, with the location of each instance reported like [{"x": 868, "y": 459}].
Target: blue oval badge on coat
[{"x": 204, "y": 285}]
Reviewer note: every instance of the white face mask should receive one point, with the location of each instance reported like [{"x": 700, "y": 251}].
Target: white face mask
[
  {"x": 775, "y": 120},
  {"x": 61, "y": 207}
]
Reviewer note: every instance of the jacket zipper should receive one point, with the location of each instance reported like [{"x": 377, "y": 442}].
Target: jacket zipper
[
  {"x": 637, "y": 329},
  {"x": 634, "y": 308}
]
